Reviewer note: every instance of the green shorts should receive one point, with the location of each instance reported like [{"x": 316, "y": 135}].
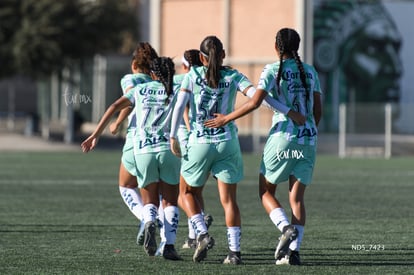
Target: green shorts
[
  {"x": 282, "y": 158},
  {"x": 153, "y": 167},
  {"x": 223, "y": 159},
  {"x": 128, "y": 159}
]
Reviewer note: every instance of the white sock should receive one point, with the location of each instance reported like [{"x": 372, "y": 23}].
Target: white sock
[
  {"x": 279, "y": 218},
  {"x": 171, "y": 218},
  {"x": 191, "y": 231},
  {"x": 295, "y": 245},
  {"x": 161, "y": 222},
  {"x": 149, "y": 212},
  {"x": 198, "y": 224},
  {"x": 132, "y": 198},
  {"x": 233, "y": 238}
]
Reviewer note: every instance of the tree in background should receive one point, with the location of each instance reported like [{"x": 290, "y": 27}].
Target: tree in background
[
  {"x": 47, "y": 35},
  {"x": 9, "y": 23},
  {"x": 40, "y": 38}
]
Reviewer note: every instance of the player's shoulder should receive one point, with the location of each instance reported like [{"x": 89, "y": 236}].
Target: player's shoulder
[
  {"x": 196, "y": 72},
  {"x": 310, "y": 69},
  {"x": 197, "y": 69},
  {"x": 127, "y": 77},
  {"x": 230, "y": 71},
  {"x": 274, "y": 66},
  {"x": 308, "y": 66}
]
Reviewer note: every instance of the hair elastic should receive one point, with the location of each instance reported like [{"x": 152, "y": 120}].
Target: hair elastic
[
  {"x": 204, "y": 54},
  {"x": 185, "y": 61}
]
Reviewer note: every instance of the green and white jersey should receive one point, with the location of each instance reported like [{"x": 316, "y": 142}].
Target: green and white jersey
[
  {"x": 130, "y": 81},
  {"x": 292, "y": 93},
  {"x": 178, "y": 79},
  {"x": 205, "y": 101},
  {"x": 153, "y": 117}
]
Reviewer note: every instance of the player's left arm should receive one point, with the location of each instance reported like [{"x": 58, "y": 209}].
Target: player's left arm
[
  {"x": 123, "y": 114},
  {"x": 91, "y": 142}
]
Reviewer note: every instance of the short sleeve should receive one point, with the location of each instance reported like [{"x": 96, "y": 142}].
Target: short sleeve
[{"x": 130, "y": 95}]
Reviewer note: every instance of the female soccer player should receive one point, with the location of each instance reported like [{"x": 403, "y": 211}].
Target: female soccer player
[
  {"x": 297, "y": 85},
  {"x": 143, "y": 55},
  {"x": 190, "y": 58},
  {"x": 158, "y": 169},
  {"x": 209, "y": 89}
]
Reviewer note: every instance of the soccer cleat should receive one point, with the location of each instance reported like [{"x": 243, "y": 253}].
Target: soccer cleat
[
  {"x": 208, "y": 219},
  {"x": 189, "y": 243},
  {"x": 289, "y": 234},
  {"x": 170, "y": 253},
  {"x": 204, "y": 243},
  {"x": 291, "y": 258},
  {"x": 233, "y": 258},
  {"x": 294, "y": 258},
  {"x": 160, "y": 249},
  {"x": 140, "y": 236},
  {"x": 150, "y": 243},
  {"x": 283, "y": 260}
]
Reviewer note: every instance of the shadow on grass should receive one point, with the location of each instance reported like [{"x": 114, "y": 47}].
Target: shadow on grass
[
  {"x": 347, "y": 257},
  {"x": 54, "y": 228},
  {"x": 334, "y": 257}
]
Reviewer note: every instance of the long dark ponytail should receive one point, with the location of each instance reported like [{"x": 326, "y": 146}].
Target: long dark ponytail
[
  {"x": 212, "y": 48},
  {"x": 287, "y": 42},
  {"x": 164, "y": 69}
]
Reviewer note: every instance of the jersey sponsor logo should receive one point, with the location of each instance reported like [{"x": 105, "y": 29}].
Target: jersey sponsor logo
[
  {"x": 149, "y": 141},
  {"x": 200, "y": 81},
  {"x": 152, "y": 92},
  {"x": 203, "y": 82},
  {"x": 150, "y": 101},
  {"x": 307, "y": 132},
  {"x": 295, "y": 87},
  {"x": 210, "y": 132},
  {"x": 288, "y": 75}
]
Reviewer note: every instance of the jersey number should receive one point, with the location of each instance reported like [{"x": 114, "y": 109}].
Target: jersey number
[
  {"x": 207, "y": 108},
  {"x": 156, "y": 119},
  {"x": 297, "y": 104}
]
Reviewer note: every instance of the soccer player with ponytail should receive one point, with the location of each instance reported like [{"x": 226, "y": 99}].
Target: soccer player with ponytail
[
  {"x": 290, "y": 150},
  {"x": 143, "y": 55},
  {"x": 191, "y": 58},
  {"x": 209, "y": 89},
  {"x": 158, "y": 170},
  {"x": 205, "y": 88}
]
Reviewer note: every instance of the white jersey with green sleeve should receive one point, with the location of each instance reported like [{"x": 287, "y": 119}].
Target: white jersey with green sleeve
[
  {"x": 292, "y": 93},
  {"x": 153, "y": 114},
  {"x": 205, "y": 101},
  {"x": 127, "y": 82}
]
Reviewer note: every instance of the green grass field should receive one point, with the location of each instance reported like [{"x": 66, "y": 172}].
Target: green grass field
[{"x": 61, "y": 213}]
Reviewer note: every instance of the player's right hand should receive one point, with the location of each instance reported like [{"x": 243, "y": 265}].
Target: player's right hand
[
  {"x": 175, "y": 147},
  {"x": 89, "y": 144}
]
